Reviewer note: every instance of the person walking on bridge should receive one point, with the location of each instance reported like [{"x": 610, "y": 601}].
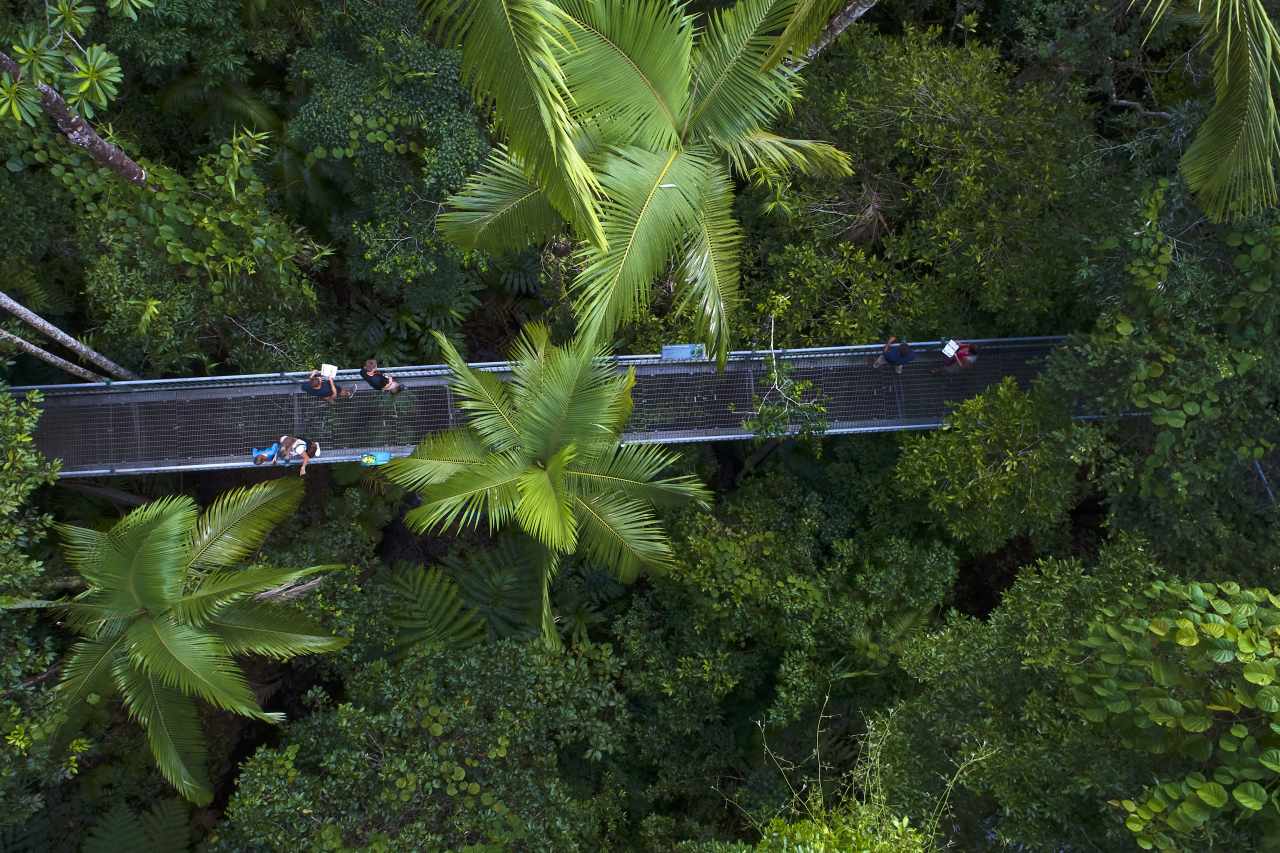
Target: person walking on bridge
[
  {"x": 323, "y": 388},
  {"x": 378, "y": 380},
  {"x": 899, "y": 356}
]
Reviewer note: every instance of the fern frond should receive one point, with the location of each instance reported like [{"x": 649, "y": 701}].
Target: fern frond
[{"x": 427, "y": 612}]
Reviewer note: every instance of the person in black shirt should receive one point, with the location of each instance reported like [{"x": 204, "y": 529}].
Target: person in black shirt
[
  {"x": 378, "y": 380},
  {"x": 323, "y": 389}
]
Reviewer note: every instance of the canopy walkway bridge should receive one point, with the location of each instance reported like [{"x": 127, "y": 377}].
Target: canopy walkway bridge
[{"x": 159, "y": 425}]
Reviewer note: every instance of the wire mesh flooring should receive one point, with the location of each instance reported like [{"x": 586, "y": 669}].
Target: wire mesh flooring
[{"x": 151, "y": 426}]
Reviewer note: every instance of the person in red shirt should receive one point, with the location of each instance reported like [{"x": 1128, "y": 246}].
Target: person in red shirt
[{"x": 966, "y": 355}]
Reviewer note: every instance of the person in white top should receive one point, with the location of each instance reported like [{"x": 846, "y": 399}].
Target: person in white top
[{"x": 292, "y": 447}]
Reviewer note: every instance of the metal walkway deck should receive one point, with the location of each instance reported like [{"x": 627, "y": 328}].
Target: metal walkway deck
[{"x": 151, "y": 426}]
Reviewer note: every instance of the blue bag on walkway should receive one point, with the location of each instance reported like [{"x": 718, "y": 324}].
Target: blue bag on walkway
[{"x": 378, "y": 457}]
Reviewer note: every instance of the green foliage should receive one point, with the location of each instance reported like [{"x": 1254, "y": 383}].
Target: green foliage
[
  {"x": 1187, "y": 671},
  {"x": 165, "y": 612},
  {"x": 628, "y": 122},
  {"x": 1003, "y": 465},
  {"x": 501, "y": 583},
  {"x": 27, "y": 760},
  {"x": 449, "y": 750},
  {"x": 429, "y": 614},
  {"x": 999, "y": 688},
  {"x": 966, "y": 182},
  {"x": 238, "y": 263},
  {"x": 386, "y": 121},
  {"x": 544, "y": 451},
  {"x": 163, "y": 828},
  {"x": 1186, "y": 339}
]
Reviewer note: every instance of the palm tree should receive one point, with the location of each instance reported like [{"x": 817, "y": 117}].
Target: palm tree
[
  {"x": 1230, "y": 164},
  {"x": 544, "y": 451},
  {"x": 167, "y": 610},
  {"x": 629, "y": 123}
]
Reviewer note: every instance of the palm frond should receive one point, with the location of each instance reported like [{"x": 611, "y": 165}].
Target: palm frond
[
  {"x": 193, "y": 662},
  {"x": 621, "y": 533},
  {"x": 633, "y": 470},
  {"x": 768, "y": 154},
  {"x": 144, "y": 555},
  {"x": 499, "y": 209},
  {"x": 615, "y": 419},
  {"x": 640, "y": 48},
  {"x": 569, "y": 398},
  {"x": 709, "y": 268},
  {"x": 258, "y": 628},
  {"x": 163, "y": 828},
  {"x": 502, "y": 584},
  {"x": 88, "y": 668},
  {"x": 509, "y": 50},
  {"x": 487, "y": 489},
  {"x": 436, "y": 459},
  {"x": 528, "y": 360},
  {"x": 1230, "y": 165},
  {"x": 119, "y": 829},
  {"x": 172, "y": 727},
  {"x": 220, "y": 590},
  {"x": 84, "y": 550},
  {"x": 483, "y": 398},
  {"x": 544, "y": 511},
  {"x": 651, "y": 205},
  {"x": 548, "y": 568},
  {"x": 805, "y": 22},
  {"x": 429, "y": 614},
  {"x": 239, "y": 521},
  {"x": 733, "y": 91}
]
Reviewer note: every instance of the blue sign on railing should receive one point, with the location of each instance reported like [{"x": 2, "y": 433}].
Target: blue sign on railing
[{"x": 684, "y": 352}]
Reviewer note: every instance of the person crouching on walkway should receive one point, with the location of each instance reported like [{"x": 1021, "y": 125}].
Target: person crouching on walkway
[
  {"x": 378, "y": 380},
  {"x": 899, "y": 356},
  {"x": 323, "y": 388},
  {"x": 299, "y": 448}
]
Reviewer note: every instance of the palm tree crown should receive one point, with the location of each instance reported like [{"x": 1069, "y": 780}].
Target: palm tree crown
[
  {"x": 166, "y": 610},
  {"x": 626, "y": 121},
  {"x": 543, "y": 450},
  {"x": 1231, "y": 163}
]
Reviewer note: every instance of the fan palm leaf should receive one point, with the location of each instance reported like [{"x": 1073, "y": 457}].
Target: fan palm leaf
[
  {"x": 161, "y": 632},
  {"x": 509, "y": 50},
  {"x": 762, "y": 152},
  {"x": 651, "y": 204},
  {"x": 568, "y": 400},
  {"x": 487, "y": 489},
  {"x": 436, "y": 459},
  {"x": 734, "y": 95},
  {"x": 805, "y": 21},
  {"x": 483, "y": 397},
  {"x": 256, "y": 628},
  {"x": 635, "y": 470},
  {"x": 621, "y": 533},
  {"x": 220, "y": 590},
  {"x": 709, "y": 267},
  {"x": 1230, "y": 164},
  {"x": 500, "y": 208},
  {"x": 137, "y": 558},
  {"x": 238, "y": 522},
  {"x": 173, "y": 730},
  {"x": 502, "y": 584},
  {"x": 89, "y": 667},
  {"x": 193, "y": 662},
  {"x": 640, "y": 47},
  {"x": 544, "y": 510}
]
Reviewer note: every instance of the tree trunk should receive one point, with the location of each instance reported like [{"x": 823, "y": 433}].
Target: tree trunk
[
  {"x": 78, "y": 131},
  {"x": 841, "y": 22},
  {"x": 46, "y": 328},
  {"x": 44, "y": 355}
]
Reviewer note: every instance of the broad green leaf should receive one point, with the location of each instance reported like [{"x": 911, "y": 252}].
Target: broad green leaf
[
  {"x": 1250, "y": 795},
  {"x": 1257, "y": 672},
  {"x": 1213, "y": 794}
]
